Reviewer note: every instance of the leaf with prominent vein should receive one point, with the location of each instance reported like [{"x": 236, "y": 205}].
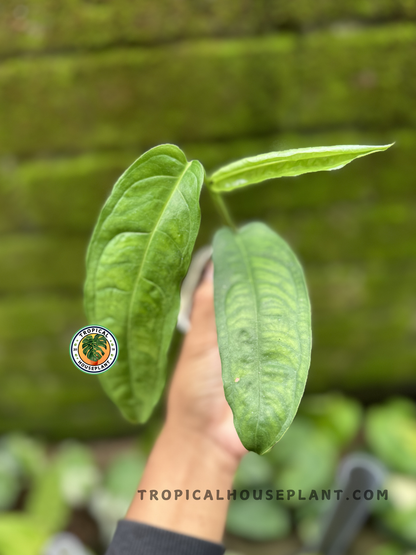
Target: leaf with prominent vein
[
  {"x": 138, "y": 256},
  {"x": 286, "y": 163},
  {"x": 263, "y": 321}
]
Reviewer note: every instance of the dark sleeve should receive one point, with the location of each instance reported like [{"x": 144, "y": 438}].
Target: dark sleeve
[{"x": 135, "y": 538}]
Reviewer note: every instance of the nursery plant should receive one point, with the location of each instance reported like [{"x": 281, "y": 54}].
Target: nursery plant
[{"x": 140, "y": 252}]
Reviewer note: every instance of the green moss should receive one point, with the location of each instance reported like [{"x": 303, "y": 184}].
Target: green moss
[
  {"x": 206, "y": 90},
  {"x": 40, "y": 315},
  {"x": 65, "y": 195},
  {"x": 44, "y": 393},
  {"x": 354, "y": 231},
  {"x": 41, "y": 263},
  {"x": 72, "y": 122},
  {"x": 343, "y": 287},
  {"x": 358, "y": 339},
  {"x": 322, "y": 235},
  {"x": 85, "y": 107},
  {"x": 39, "y": 25}
]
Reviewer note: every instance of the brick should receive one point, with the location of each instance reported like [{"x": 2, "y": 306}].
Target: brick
[
  {"x": 41, "y": 26},
  {"x": 208, "y": 90}
]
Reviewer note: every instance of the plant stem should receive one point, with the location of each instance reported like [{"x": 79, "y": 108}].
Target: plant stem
[{"x": 222, "y": 209}]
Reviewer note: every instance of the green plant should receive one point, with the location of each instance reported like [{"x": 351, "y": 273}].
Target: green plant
[
  {"x": 391, "y": 433},
  {"x": 94, "y": 347},
  {"x": 140, "y": 252}
]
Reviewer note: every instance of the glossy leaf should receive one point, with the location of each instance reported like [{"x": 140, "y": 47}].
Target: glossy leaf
[
  {"x": 286, "y": 163},
  {"x": 138, "y": 256},
  {"x": 264, "y": 331}
]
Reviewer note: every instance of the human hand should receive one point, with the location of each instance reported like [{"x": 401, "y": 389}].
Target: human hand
[
  {"x": 198, "y": 449},
  {"x": 196, "y": 401}
]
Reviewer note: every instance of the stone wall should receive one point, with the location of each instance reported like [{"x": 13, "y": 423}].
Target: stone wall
[{"x": 87, "y": 86}]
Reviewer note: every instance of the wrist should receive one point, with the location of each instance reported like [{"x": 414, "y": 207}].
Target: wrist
[
  {"x": 201, "y": 447},
  {"x": 192, "y": 464}
]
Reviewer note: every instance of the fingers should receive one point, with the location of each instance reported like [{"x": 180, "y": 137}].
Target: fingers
[
  {"x": 202, "y": 335},
  {"x": 203, "y": 303}
]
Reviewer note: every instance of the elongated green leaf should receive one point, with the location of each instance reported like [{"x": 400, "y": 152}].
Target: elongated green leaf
[
  {"x": 139, "y": 253},
  {"x": 263, "y": 321},
  {"x": 286, "y": 163}
]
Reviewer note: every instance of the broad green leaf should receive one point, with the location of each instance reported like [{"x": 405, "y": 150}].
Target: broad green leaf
[
  {"x": 78, "y": 473},
  {"x": 138, "y": 256},
  {"x": 339, "y": 415},
  {"x": 401, "y": 523},
  {"x": 124, "y": 473},
  {"x": 391, "y": 433},
  {"x": 258, "y": 520},
  {"x": 264, "y": 331},
  {"x": 29, "y": 453},
  {"x": 111, "y": 501},
  {"x": 21, "y": 460},
  {"x": 286, "y": 163},
  {"x": 315, "y": 469},
  {"x": 253, "y": 471}
]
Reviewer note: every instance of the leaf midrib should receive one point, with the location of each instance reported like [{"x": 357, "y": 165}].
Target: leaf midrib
[
  {"x": 150, "y": 239},
  {"x": 253, "y": 288}
]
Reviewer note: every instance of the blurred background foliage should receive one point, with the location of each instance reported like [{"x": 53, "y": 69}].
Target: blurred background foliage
[
  {"x": 86, "y": 488},
  {"x": 85, "y": 87}
]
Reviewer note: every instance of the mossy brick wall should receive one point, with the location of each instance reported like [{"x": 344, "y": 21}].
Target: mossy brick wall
[
  {"x": 45, "y": 25},
  {"x": 208, "y": 90},
  {"x": 86, "y": 87}
]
